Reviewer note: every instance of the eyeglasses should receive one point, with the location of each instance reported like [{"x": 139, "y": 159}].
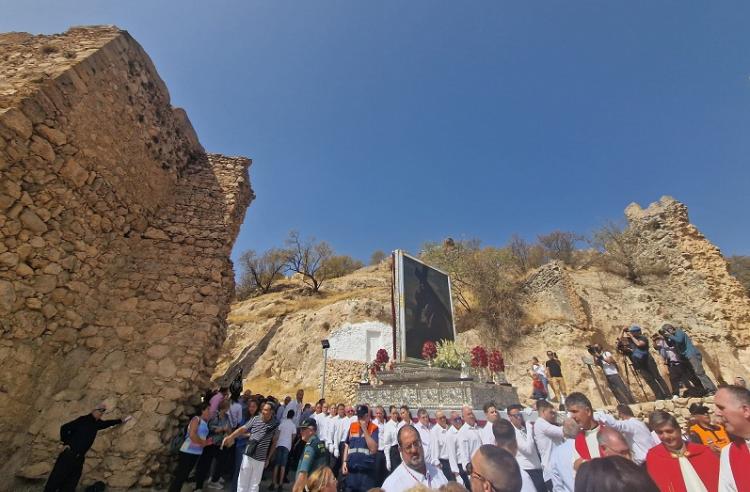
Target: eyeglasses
[{"x": 474, "y": 474}]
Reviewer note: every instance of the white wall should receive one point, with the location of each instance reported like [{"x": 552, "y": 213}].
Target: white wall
[{"x": 360, "y": 341}]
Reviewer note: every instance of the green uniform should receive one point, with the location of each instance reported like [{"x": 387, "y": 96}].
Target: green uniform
[{"x": 314, "y": 456}]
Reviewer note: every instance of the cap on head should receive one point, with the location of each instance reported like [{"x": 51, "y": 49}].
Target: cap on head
[
  {"x": 697, "y": 409},
  {"x": 362, "y": 410},
  {"x": 102, "y": 407},
  {"x": 634, "y": 329},
  {"x": 308, "y": 423}
]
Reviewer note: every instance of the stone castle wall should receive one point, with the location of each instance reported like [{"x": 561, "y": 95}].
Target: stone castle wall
[{"x": 115, "y": 234}]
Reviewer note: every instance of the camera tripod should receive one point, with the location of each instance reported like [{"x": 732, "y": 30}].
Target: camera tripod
[{"x": 629, "y": 363}]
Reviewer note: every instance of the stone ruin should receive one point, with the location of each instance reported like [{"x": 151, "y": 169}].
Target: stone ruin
[{"x": 115, "y": 234}]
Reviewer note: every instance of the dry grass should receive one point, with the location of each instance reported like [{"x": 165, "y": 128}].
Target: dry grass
[{"x": 281, "y": 304}]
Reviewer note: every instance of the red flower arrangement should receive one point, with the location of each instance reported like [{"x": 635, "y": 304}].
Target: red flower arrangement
[
  {"x": 496, "y": 362},
  {"x": 429, "y": 350},
  {"x": 478, "y": 357},
  {"x": 381, "y": 357}
]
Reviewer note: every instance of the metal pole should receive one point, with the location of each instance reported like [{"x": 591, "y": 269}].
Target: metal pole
[
  {"x": 596, "y": 382},
  {"x": 325, "y": 363}
]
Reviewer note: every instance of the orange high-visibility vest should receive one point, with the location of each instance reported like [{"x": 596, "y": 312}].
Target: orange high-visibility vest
[{"x": 717, "y": 436}]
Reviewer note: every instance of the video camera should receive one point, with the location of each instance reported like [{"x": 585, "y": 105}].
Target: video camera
[{"x": 593, "y": 349}]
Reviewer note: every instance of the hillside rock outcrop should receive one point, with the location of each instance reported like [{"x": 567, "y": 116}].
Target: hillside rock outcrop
[
  {"x": 565, "y": 309},
  {"x": 115, "y": 234}
]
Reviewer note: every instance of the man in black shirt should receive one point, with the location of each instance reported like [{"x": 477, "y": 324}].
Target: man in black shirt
[
  {"x": 77, "y": 436},
  {"x": 555, "y": 377}
]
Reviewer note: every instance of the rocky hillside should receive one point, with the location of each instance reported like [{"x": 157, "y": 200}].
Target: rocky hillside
[{"x": 275, "y": 337}]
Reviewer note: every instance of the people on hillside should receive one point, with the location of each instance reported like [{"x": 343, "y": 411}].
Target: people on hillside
[
  {"x": 605, "y": 360},
  {"x": 77, "y": 437},
  {"x": 686, "y": 349},
  {"x": 636, "y": 345},
  {"x": 553, "y": 371},
  {"x": 678, "y": 367}
]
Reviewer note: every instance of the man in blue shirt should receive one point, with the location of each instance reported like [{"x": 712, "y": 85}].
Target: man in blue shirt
[{"x": 685, "y": 348}]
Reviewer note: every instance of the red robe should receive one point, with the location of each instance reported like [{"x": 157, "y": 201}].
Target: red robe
[
  {"x": 739, "y": 461},
  {"x": 664, "y": 468}
]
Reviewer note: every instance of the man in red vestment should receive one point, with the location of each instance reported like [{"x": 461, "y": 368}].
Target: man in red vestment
[
  {"x": 676, "y": 465},
  {"x": 586, "y": 446},
  {"x": 733, "y": 407}
]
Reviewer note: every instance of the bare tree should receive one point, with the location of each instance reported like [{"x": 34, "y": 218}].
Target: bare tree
[
  {"x": 340, "y": 265},
  {"x": 619, "y": 246},
  {"x": 377, "y": 257},
  {"x": 559, "y": 245},
  {"x": 308, "y": 258},
  {"x": 520, "y": 251},
  {"x": 260, "y": 272}
]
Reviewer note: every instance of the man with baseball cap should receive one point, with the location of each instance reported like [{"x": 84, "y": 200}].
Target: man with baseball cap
[
  {"x": 314, "y": 456},
  {"x": 361, "y": 446},
  {"x": 704, "y": 432},
  {"x": 78, "y": 437},
  {"x": 637, "y": 345}
]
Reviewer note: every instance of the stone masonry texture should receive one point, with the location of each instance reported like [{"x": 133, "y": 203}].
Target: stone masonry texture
[{"x": 115, "y": 234}]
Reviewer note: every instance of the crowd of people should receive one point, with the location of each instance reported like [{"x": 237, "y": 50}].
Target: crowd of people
[{"x": 324, "y": 447}]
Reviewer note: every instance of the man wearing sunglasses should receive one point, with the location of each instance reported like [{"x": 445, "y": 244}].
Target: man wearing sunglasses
[
  {"x": 493, "y": 469},
  {"x": 413, "y": 471},
  {"x": 439, "y": 444}
]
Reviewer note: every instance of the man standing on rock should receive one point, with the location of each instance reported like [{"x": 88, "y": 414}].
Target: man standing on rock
[
  {"x": 77, "y": 436},
  {"x": 686, "y": 349}
]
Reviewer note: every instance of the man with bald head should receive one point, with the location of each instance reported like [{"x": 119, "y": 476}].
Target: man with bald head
[
  {"x": 466, "y": 442},
  {"x": 612, "y": 443},
  {"x": 413, "y": 471},
  {"x": 493, "y": 469},
  {"x": 504, "y": 435},
  {"x": 561, "y": 461},
  {"x": 439, "y": 444},
  {"x": 733, "y": 407}
]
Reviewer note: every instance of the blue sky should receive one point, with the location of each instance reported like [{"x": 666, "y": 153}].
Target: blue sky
[{"x": 383, "y": 124}]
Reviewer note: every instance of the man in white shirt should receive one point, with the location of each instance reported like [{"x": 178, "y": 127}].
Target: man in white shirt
[
  {"x": 504, "y": 433},
  {"x": 413, "y": 470},
  {"x": 527, "y": 456},
  {"x": 548, "y": 435},
  {"x": 297, "y": 405},
  {"x": 389, "y": 443},
  {"x": 606, "y": 361},
  {"x": 636, "y": 432},
  {"x": 439, "y": 444},
  {"x": 380, "y": 462},
  {"x": 464, "y": 444},
  {"x": 733, "y": 406},
  {"x": 561, "y": 460},
  {"x": 287, "y": 433},
  {"x": 490, "y": 411},
  {"x": 423, "y": 427}
]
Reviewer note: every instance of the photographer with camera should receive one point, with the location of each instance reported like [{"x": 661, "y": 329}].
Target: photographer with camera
[
  {"x": 679, "y": 372},
  {"x": 635, "y": 346},
  {"x": 606, "y": 361},
  {"x": 686, "y": 349}
]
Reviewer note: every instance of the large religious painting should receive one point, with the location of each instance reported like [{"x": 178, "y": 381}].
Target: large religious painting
[{"x": 424, "y": 310}]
